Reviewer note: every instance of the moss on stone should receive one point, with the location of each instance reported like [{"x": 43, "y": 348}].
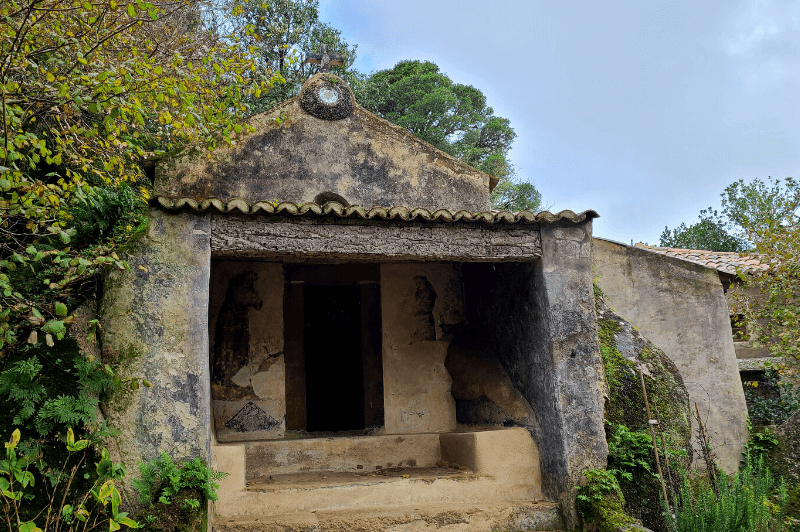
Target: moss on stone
[
  {"x": 625, "y": 353},
  {"x": 601, "y": 502}
]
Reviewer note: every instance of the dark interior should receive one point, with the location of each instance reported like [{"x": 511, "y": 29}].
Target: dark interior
[
  {"x": 332, "y": 327},
  {"x": 334, "y": 369}
]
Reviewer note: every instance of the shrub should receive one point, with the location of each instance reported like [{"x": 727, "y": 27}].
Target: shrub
[
  {"x": 103, "y": 212},
  {"x": 749, "y": 501},
  {"x": 775, "y": 408},
  {"x": 63, "y": 508},
  {"x": 177, "y": 493}
]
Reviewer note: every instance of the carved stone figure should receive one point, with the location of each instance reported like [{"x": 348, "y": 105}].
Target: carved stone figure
[
  {"x": 424, "y": 301},
  {"x": 232, "y": 332}
]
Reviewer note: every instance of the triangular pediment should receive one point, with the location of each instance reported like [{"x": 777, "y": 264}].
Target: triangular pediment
[{"x": 321, "y": 144}]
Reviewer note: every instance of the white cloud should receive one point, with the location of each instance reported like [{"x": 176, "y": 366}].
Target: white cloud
[{"x": 760, "y": 24}]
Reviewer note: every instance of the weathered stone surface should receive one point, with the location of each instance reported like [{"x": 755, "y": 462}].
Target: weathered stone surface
[
  {"x": 540, "y": 318},
  {"x": 626, "y": 354},
  {"x": 243, "y": 236},
  {"x": 363, "y": 158},
  {"x": 418, "y": 301},
  {"x": 397, "y": 474},
  {"x": 680, "y": 306},
  {"x": 250, "y": 343},
  {"x": 482, "y": 517},
  {"x": 155, "y": 326}
]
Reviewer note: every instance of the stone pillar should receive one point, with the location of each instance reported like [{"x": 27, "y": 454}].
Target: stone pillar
[
  {"x": 566, "y": 313},
  {"x": 155, "y": 326}
]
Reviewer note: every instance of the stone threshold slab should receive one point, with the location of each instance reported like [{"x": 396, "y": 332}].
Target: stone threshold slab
[{"x": 512, "y": 515}]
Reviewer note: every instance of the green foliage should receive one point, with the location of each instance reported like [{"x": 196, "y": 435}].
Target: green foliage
[
  {"x": 749, "y": 501},
  {"x": 767, "y": 212},
  {"x": 175, "y": 494},
  {"x": 758, "y": 207},
  {"x": 97, "y": 506},
  {"x": 600, "y": 501},
  {"x": 162, "y": 479},
  {"x": 87, "y": 92},
  {"x": 599, "y": 484},
  {"x": 514, "y": 195},
  {"x": 710, "y": 233},
  {"x": 628, "y": 451},
  {"x": 760, "y": 443},
  {"x": 283, "y": 32},
  {"x": 452, "y": 117},
  {"x": 105, "y": 212},
  {"x": 772, "y": 409}
]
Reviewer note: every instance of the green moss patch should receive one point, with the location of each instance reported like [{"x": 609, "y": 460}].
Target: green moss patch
[
  {"x": 626, "y": 353},
  {"x": 601, "y": 503}
]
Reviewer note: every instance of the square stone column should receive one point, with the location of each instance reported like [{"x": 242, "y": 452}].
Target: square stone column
[{"x": 155, "y": 326}]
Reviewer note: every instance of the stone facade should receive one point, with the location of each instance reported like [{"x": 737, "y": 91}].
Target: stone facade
[{"x": 322, "y": 345}]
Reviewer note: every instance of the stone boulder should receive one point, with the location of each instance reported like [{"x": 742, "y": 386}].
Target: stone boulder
[{"x": 626, "y": 354}]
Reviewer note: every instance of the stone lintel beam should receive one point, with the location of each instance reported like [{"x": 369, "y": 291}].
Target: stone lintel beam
[{"x": 348, "y": 240}]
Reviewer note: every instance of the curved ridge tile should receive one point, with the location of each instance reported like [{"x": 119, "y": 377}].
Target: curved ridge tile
[{"x": 397, "y": 212}]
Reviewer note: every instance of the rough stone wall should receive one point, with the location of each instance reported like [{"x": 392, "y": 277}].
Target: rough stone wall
[
  {"x": 681, "y": 308},
  {"x": 155, "y": 325},
  {"x": 349, "y": 240},
  {"x": 362, "y": 158},
  {"x": 251, "y": 403},
  {"x": 418, "y": 303},
  {"x": 540, "y": 318}
]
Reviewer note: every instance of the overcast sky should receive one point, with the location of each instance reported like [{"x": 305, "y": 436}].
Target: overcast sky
[{"x": 643, "y": 111}]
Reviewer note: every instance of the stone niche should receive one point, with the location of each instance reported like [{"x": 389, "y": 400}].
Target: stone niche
[{"x": 248, "y": 371}]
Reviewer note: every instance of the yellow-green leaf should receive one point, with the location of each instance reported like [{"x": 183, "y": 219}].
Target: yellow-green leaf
[{"x": 12, "y": 443}]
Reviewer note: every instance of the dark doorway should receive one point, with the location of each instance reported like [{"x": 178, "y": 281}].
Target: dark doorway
[{"x": 333, "y": 358}]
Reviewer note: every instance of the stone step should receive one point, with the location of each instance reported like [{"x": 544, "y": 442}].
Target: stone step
[
  {"x": 394, "y": 487},
  {"x": 362, "y": 474},
  {"x": 443, "y": 517},
  {"x": 363, "y": 453}
]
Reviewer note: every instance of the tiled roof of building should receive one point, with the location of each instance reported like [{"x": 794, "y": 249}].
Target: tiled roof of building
[
  {"x": 724, "y": 261},
  {"x": 397, "y": 213}
]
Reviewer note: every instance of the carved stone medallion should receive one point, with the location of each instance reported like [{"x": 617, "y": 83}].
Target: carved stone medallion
[{"x": 327, "y": 97}]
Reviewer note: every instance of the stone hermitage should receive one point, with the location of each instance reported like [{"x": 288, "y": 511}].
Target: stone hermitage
[{"x": 351, "y": 363}]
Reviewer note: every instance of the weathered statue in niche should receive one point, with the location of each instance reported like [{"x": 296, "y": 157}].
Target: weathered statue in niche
[
  {"x": 232, "y": 331},
  {"x": 424, "y": 301}
]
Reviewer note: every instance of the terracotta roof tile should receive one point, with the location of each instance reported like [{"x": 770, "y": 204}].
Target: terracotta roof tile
[
  {"x": 723, "y": 261},
  {"x": 397, "y": 213}
]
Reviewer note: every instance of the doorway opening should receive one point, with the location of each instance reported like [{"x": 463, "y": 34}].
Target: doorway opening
[{"x": 334, "y": 369}]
